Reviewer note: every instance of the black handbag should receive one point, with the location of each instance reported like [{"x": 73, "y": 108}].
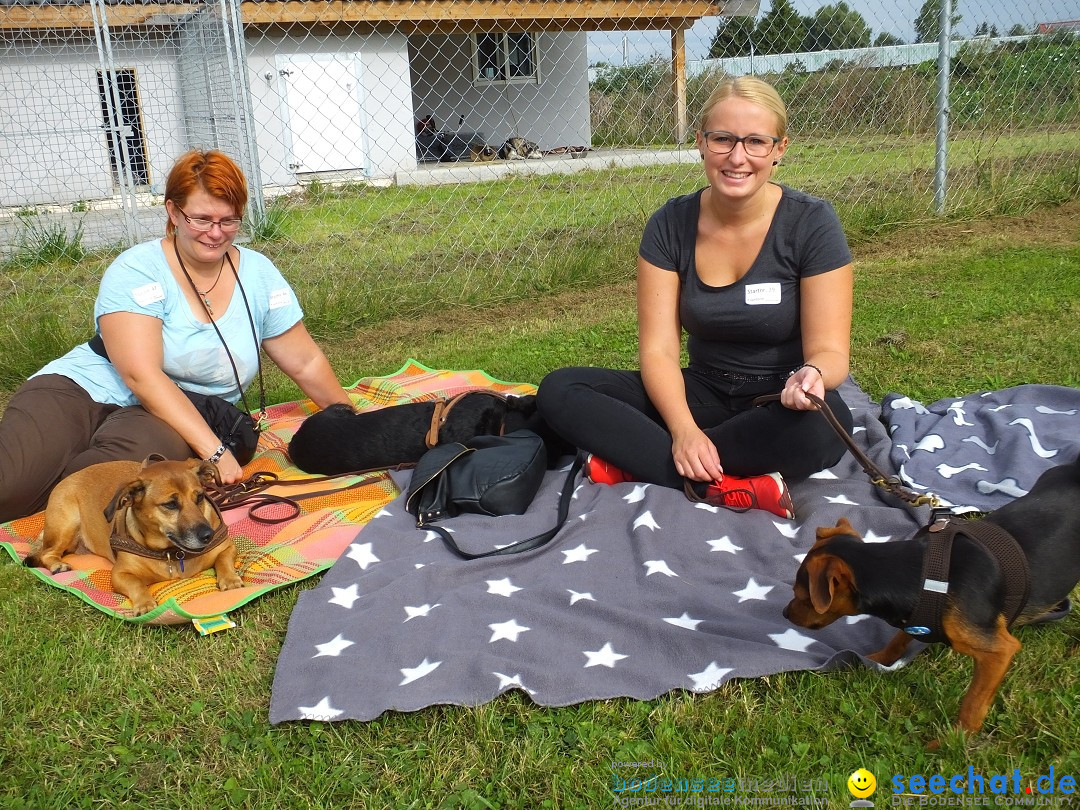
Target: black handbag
[
  {"x": 488, "y": 475},
  {"x": 235, "y": 427}
]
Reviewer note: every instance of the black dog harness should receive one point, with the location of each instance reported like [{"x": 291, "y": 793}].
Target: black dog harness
[{"x": 925, "y": 621}]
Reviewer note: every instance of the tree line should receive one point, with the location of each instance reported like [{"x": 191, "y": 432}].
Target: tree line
[{"x": 832, "y": 27}]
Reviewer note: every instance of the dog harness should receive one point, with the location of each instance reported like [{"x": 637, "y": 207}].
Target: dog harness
[
  {"x": 442, "y": 413},
  {"x": 925, "y": 621}
]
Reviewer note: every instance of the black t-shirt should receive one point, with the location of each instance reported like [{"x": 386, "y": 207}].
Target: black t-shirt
[{"x": 753, "y": 325}]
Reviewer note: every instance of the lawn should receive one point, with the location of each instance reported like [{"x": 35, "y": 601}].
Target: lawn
[{"x": 94, "y": 712}]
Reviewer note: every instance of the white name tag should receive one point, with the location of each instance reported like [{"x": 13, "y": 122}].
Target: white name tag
[
  {"x": 147, "y": 294},
  {"x": 768, "y": 293},
  {"x": 279, "y": 298}
]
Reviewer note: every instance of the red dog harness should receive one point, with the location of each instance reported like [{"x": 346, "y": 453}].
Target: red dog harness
[{"x": 925, "y": 621}]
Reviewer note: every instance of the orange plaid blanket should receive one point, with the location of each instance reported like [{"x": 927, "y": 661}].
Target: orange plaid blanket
[{"x": 269, "y": 556}]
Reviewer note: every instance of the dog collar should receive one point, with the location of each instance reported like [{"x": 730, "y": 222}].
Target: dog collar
[
  {"x": 925, "y": 622},
  {"x": 119, "y": 542}
]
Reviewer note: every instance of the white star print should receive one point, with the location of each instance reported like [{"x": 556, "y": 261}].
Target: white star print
[
  {"x": 430, "y": 535},
  {"x": 862, "y": 617},
  {"x": 685, "y": 621},
  {"x": 502, "y": 587},
  {"x": 843, "y": 499},
  {"x": 827, "y": 475},
  {"x": 418, "y": 611},
  {"x": 509, "y": 630},
  {"x": 604, "y": 657},
  {"x": 506, "y": 681},
  {"x": 576, "y": 597},
  {"x": 658, "y": 567},
  {"x": 799, "y": 557},
  {"x": 361, "y": 552},
  {"x": 724, "y": 544},
  {"x": 421, "y": 670},
  {"x": 579, "y": 554},
  {"x": 791, "y": 640},
  {"x": 871, "y": 537},
  {"x": 646, "y": 519},
  {"x": 320, "y": 711},
  {"x": 636, "y": 494},
  {"x": 707, "y": 507},
  {"x": 383, "y": 513},
  {"x": 345, "y": 596},
  {"x": 857, "y": 429},
  {"x": 786, "y": 529},
  {"x": 333, "y": 647},
  {"x": 752, "y": 591},
  {"x": 709, "y": 678}
]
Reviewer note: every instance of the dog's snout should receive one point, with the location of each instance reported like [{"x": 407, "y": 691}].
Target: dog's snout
[{"x": 204, "y": 533}]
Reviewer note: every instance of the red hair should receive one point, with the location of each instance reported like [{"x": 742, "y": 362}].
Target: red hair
[{"x": 211, "y": 171}]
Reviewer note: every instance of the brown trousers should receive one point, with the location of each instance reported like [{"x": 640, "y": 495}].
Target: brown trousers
[{"x": 52, "y": 428}]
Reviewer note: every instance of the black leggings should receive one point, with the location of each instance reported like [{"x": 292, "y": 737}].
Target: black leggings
[{"x": 608, "y": 412}]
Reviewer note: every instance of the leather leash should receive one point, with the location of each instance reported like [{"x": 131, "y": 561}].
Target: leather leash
[{"x": 890, "y": 483}]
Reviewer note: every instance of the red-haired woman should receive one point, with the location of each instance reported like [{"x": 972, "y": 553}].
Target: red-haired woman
[{"x": 165, "y": 311}]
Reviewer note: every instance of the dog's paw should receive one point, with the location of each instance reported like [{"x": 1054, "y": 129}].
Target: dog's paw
[
  {"x": 143, "y": 605},
  {"x": 229, "y": 583},
  {"x": 59, "y": 568}
]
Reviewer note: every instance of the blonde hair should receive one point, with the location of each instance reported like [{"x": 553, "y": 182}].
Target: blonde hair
[{"x": 752, "y": 89}]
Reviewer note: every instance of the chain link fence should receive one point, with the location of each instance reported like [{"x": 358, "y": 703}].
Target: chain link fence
[{"x": 471, "y": 151}]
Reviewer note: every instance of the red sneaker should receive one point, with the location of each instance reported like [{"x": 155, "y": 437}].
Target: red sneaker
[
  {"x": 768, "y": 492},
  {"x": 600, "y": 472}
]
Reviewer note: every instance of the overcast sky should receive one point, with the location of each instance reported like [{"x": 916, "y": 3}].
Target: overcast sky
[{"x": 895, "y": 16}]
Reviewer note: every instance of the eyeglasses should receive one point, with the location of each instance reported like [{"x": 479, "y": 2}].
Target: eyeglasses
[
  {"x": 202, "y": 224},
  {"x": 721, "y": 143}
]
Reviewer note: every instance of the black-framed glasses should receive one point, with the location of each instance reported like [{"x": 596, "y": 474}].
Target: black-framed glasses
[
  {"x": 203, "y": 224},
  {"x": 721, "y": 142}
]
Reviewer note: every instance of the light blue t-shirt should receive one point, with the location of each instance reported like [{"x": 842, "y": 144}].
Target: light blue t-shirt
[{"x": 139, "y": 281}]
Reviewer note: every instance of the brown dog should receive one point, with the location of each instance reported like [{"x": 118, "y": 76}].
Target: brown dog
[
  {"x": 153, "y": 519},
  {"x": 843, "y": 576}
]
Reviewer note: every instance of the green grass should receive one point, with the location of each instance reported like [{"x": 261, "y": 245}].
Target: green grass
[{"x": 94, "y": 712}]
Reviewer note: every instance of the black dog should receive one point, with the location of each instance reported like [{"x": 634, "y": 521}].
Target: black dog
[
  {"x": 339, "y": 439},
  {"x": 842, "y": 576}
]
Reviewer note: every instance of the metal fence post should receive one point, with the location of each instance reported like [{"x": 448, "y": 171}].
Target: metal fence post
[{"x": 942, "y": 152}]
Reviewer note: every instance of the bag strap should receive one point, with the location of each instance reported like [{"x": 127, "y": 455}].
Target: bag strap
[
  {"x": 254, "y": 336},
  {"x": 533, "y": 542}
]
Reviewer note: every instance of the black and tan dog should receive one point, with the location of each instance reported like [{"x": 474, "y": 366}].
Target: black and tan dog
[
  {"x": 843, "y": 576},
  {"x": 153, "y": 520},
  {"x": 339, "y": 439}
]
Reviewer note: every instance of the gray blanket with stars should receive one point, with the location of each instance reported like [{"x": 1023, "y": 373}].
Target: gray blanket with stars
[{"x": 639, "y": 594}]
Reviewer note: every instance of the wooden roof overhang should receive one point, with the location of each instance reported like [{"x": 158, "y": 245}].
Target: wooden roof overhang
[{"x": 408, "y": 16}]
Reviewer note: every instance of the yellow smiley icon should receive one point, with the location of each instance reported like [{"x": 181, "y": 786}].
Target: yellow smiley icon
[{"x": 861, "y": 783}]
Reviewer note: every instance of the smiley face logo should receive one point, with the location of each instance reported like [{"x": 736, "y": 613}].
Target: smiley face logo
[{"x": 861, "y": 783}]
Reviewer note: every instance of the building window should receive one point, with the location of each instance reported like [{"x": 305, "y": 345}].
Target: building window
[{"x": 501, "y": 58}]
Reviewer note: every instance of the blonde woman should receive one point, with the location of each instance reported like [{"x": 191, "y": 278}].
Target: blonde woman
[{"x": 758, "y": 275}]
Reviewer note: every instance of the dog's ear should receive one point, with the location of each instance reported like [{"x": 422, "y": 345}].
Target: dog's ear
[
  {"x": 827, "y": 532},
  {"x": 828, "y": 577},
  {"x": 206, "y": 472},
  {"x": 126, "y": 495}
]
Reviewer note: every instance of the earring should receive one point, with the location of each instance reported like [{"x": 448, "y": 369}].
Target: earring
[{"x": 776, "y": 163}]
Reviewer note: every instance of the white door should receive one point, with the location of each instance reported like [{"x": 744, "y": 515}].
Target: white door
[{"x": 325, "y": 109}]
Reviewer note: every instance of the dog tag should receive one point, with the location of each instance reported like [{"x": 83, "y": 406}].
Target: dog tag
[{"x": 917, "y": 630}]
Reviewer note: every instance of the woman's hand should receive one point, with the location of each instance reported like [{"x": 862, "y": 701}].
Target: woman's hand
[
  {"x": 229, "y": 469},
  {"x": 802, "y": 380},
  {"x": 695, "y": 455}
]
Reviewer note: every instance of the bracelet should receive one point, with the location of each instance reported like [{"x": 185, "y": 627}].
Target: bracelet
[
  {"x": 217, "y": 454},
  {"x": 809, "y": 365}
]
